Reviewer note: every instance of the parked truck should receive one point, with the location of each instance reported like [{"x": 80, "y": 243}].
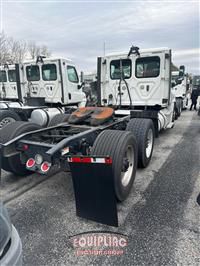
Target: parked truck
[
  {"x": 180, "y": 87},
  {"x": 102, "y": 146},
  {"x": 40, "y": 90},
  {"x": 8, "y": 85}
]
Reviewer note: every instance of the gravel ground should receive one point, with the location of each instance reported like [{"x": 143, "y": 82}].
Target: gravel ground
[{"x": 160, "y": 217}]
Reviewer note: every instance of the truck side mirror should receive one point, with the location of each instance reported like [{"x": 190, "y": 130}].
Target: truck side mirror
[
  {"x": 173, "y": 84},
  {"x": 181, "y": 71},
  {"x": 179, "y": 81},
  {"x": 82, "y": 77},
  {"x": 81, "y": 85},
  {"x": 182, "y": 68}
]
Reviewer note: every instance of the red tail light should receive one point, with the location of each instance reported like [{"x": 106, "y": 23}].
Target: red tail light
[
  {"x": 30, "y": 163},
  {"x": 25, "y": 147},
  {"x": 45, "y": 167}
]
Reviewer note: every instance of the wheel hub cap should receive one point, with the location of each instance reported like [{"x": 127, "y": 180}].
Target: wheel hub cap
[
  {"x": 6, "y": 120},
  {"x": 149, "y": 143},
  {"x": 128, "y": 165}
]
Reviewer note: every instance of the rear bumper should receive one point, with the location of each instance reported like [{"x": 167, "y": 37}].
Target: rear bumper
[{"x": 14, "y": 254}]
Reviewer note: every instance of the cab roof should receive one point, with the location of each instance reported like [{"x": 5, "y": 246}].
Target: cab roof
[
  {"x": 141, "y": 51},
  {"x": 48, "y": 59}
]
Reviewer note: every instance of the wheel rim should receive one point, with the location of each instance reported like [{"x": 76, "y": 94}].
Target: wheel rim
[
  {"x": 6, "y": 120},
  {"x": 128, "y": 165},
  {"x": 149, "y": 143}
]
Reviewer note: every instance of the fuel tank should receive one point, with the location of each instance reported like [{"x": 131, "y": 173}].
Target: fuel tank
[{"x": 42, "y": 117}]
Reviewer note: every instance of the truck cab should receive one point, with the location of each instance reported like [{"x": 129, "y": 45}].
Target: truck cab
[
  {"x": 8, "y": 85},
  {"x": 54, "y": 79},
  {"x": 141, "y": 78},
  {"x": 40, "y": 89},
  {"x": 180, "y": 87}
]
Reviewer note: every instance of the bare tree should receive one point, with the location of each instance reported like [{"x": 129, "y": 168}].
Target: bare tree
[
  {"x": 12, "y": 51},
  {"x": 15, "y": 51},
  {"x": 45, "y": 51},
  {"x": 4, "y": 50},
  {"x": 34, "y": 50}
]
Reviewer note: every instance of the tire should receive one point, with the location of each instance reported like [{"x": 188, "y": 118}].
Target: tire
[
  {"x": 144, "y": 132},
  {"x": 198, "y": 112},
  {"x": 58, "y": 119},
  {"x": 116, "y": 144},
  {"x": 176, "y": 112},
  {"x": 10, "y": 131},
  {"x": 179, "y": 106},
  {"x": 7, "y": 117},
  {"x": 174, "y": 117},
  {"x": 186, "y": 103}
]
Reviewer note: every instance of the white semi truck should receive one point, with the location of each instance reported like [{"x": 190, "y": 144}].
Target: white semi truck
[
  {"x": 8, "y": 85},
  {"x": 180, "y": 88},
  {"x": 140, "y": 81},
  {"x": 102, "y": 145},
  {"x": 40, "y": 90}
]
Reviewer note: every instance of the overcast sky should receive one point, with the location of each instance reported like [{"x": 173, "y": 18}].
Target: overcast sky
[{"x": 78, "y": 29}]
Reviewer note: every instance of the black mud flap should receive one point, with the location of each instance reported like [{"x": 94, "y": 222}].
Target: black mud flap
[{"x": 94, "y": 189}]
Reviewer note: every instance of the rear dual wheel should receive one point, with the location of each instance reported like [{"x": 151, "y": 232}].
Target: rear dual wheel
[
  {"x": 7, "y": 117},
  {"x": 143, "y": 130},
  {"x": 13, "y": 163},
  {"x": 121, "y": 146}
]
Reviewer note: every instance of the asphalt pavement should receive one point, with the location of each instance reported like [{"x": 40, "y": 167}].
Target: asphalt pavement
[{"x": 161, "y": 219}]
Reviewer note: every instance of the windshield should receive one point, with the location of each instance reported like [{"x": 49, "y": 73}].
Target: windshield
[
  {"x": 3, "y": 77},
  {"x": 12, "y": 75},
  {"x": 49, "y": 72},
  {"x": 32, "y": 73}
]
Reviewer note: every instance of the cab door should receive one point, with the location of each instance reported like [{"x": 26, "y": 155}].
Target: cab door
[
  {"x": 72, "y": 91},
  {"x": 116, "y": 74},
  {"x": 3, "y": 84},
  {"x": 11, "y": 90}
]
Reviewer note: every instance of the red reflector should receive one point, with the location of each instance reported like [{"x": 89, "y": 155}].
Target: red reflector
[
  {"x": 108, "y": 160},
  {"x": 81, "y": 160},
  {"x": 86, "y": 160},
  {"x": 30, "y": 163},
  {"x": 25, "y": 147},
  {"x": 45, "y": 167},
  {"x": 90, "y": 160},
  {"x": 76, "y": 160}
]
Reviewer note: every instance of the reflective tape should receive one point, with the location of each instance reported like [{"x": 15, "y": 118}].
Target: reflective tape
[{"x": 89, "y": 160}]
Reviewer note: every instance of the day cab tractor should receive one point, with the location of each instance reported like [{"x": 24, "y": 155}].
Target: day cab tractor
[
  {"x": 102, "y": 146},
  {"x": 180, "y": 88},
  {"x": 40, "y": 90},
  {"x": 8, "y": 85}
]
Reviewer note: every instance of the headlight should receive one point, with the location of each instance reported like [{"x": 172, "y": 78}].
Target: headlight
[
  {"x": 38, "y": 159},
  {"x": 5, "y": 228}
]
